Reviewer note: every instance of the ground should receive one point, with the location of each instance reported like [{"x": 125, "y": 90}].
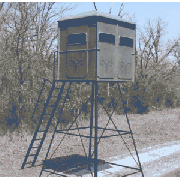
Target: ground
[{"x": 149, "y": 130}]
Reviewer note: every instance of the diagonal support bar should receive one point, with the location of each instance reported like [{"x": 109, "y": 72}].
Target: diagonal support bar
[{"x": 131, "y": 132}]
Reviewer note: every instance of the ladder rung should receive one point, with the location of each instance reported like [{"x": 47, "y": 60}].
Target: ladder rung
[
  {"x": 32, "y": 154},
  {"x": 57, "y": 88},
  {"x": 37, "y": 139},
  {"x": 28, "y": 163},
  {"x": 34, "y": 147},
  {"x": 41, "y": 131}
]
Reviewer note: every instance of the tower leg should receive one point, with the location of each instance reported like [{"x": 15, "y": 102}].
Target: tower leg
[
  {"x": 95, "y": 140},
  {"x": 91, "y": 122}
]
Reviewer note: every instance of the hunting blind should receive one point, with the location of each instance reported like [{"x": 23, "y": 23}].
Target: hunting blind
[
  {"x": 93, "y": 47},
  {"x": 96, "y": 46}
]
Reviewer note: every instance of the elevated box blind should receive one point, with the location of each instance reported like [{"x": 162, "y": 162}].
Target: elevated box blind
[{"x": 95, "y": 46}]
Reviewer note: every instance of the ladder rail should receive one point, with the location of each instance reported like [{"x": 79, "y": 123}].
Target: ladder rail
[
  {"x": 59, "y": 120},
  {"x": 40, "y": 95},
  {"x": 49, "y": 123},
  {"x": 37, "y": 129}
]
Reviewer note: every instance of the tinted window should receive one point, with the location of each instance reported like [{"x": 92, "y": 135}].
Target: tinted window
[
  {"x": 75, "y": 39},
  {"x": 124, "y": 41},
  {"x": 108, "y": 38}
]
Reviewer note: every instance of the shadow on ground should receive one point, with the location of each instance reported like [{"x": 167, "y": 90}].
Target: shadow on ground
[{"x": 75, "y": 164}]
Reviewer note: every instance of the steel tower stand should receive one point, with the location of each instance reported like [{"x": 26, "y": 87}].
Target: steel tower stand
[{"x": 95, "y": 98}]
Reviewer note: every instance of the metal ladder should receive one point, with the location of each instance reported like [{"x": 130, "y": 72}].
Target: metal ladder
[{"x": 35, "y": 155}]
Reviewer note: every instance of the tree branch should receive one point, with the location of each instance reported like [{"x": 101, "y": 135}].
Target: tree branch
[
  {"x": 95, "y": 6},
  {"x": 111, "y": 8},
  {"x": 120, "y": 10}
]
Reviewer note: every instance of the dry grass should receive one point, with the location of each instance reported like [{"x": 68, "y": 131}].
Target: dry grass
[{"x": 156, "y": 127}]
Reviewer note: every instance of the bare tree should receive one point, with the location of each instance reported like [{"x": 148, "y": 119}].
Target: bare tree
[
  {"x": 28, "y": 35},
  {"x": 176, "y": 54},
  {"x": 152, "y": 51},
  {"x": 154, "y": 58}
]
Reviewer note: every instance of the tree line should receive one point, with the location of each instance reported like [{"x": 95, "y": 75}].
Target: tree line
[{"x": 27, "y": 44}]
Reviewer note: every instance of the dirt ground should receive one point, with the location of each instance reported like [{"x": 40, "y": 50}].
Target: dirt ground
[{"x": 154, "y": 128}]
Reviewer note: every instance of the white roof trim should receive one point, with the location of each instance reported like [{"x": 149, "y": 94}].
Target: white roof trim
[{"x": 94, "y": 13}]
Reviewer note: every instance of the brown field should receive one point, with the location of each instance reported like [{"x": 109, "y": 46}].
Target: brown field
[{"x": 154, "y": 128}]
